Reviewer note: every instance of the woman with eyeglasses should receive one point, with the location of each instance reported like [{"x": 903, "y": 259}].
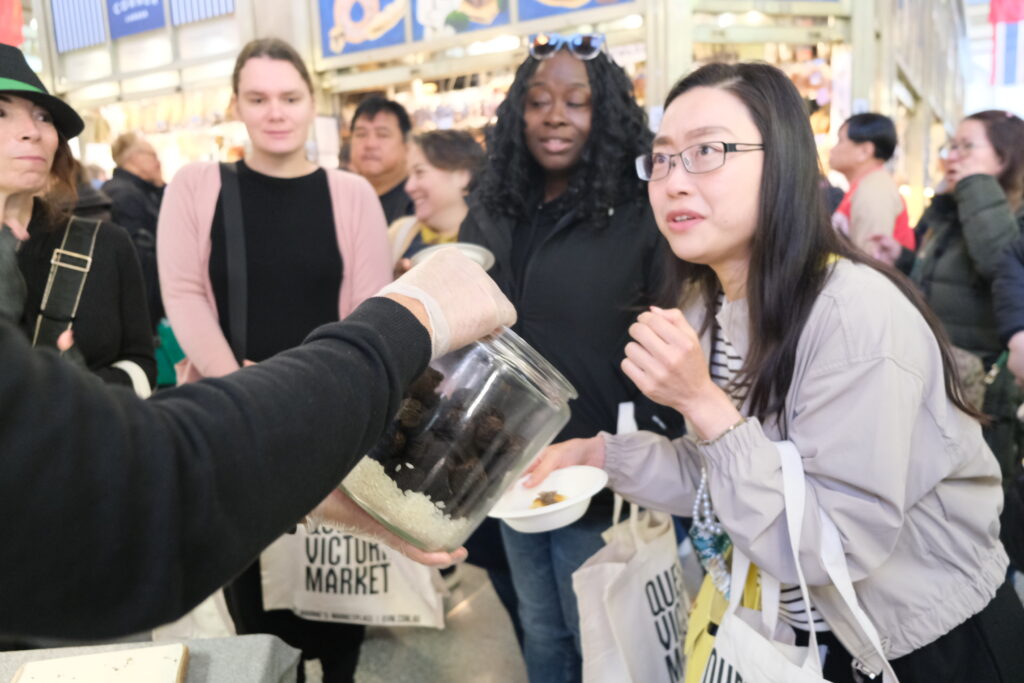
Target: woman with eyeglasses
[
  {"x": 785, "y": 331},
  {"x": 969, "y": 227},
  {"x": 578, "y": 253}
]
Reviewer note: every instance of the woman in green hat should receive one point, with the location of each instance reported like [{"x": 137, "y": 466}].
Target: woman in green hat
[{"x": 79, "y": 275}]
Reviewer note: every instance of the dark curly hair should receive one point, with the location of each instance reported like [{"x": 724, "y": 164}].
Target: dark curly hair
[{"x": 604, "y": 176}]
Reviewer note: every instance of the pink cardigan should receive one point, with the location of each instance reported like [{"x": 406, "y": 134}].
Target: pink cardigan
[{"x": 183, "y": 259}]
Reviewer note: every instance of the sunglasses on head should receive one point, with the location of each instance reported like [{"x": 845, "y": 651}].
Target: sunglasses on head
[{"x": 583, "y": 46}]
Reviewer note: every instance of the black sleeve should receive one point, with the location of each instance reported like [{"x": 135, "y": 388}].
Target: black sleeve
[
  {"x": 469, "y": 231},
  {"x": 1008, "y": 291},
  {"x": 136, "y": 343},
  {"x": 905, "y": 261},
  {"x": 130, "y": 212},
  {"x": 119, "y": 514}
]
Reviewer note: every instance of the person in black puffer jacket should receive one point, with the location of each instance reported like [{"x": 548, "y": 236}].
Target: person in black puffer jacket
[{"x": 969, "y": 229}]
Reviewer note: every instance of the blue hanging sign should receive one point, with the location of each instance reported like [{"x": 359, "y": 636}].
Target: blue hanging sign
[
  {"x": 348, "y": 26},
  {"x": 134, "y": 16},
  {"x": 535, "y": 9}
]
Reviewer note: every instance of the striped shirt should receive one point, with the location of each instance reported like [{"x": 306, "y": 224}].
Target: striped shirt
[{"x": 725, "y": 363}]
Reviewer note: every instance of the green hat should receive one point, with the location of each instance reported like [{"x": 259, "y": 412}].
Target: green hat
[{"x": 18, "y": 78}]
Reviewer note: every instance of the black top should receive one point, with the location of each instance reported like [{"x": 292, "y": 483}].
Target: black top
[
  {"x": 135, "y": 202},
  {"x": 530, "y": 234},
  {"x": 135, "y": 206},
  {"x": 579, "y": 290},
  {"x": 397, "y": 203},
  {"x": 92, "y": 203},
  {"x": 293, "y": 260},
  {"x": 118, "y": 514},
  {"x": 112, "y": 323}
]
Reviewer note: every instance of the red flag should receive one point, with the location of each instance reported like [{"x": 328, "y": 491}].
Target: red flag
[
  {"x": 1005, "y": 11},
  {"x": 11, "y": 22}
]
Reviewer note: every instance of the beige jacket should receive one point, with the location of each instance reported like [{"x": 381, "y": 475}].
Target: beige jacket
[
  {"x": 874, "y": 208},
  {"x": 905, "y": 475}
]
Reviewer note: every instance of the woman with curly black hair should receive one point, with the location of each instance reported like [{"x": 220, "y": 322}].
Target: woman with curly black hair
[{"x": 578, "y": 252}]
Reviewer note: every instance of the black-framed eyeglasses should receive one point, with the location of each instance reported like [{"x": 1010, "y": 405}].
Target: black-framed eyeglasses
[
  {"x": 583, "y": 46},
  {"x": 700, "y": 158}
]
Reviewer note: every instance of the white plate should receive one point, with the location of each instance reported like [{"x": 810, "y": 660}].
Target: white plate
[
  {"x": 481, "y": 255},
  {"x": 577, "y": 483}
]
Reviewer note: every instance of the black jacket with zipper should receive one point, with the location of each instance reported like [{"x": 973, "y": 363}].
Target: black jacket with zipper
[{"x": 582, "y": 287}]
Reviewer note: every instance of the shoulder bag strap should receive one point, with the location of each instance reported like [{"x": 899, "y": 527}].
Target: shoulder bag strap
[
  {"x": 234, "y": 240},
  {"x": 69, "y": 267}
]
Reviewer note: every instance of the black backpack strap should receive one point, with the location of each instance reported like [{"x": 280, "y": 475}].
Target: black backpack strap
[
  {"x": 69, "y": 267},
  {"x": 234, "y": 239}
]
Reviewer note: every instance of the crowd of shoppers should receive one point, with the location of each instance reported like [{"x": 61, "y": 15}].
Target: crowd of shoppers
[{"x": 695, "y": 273}]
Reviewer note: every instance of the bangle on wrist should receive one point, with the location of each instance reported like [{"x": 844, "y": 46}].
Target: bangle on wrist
[{"x": 708, "y": 442}]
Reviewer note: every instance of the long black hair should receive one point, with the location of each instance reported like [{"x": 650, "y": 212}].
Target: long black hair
[
  {"x": 793, "y": 242},
  {"x": 604, "y": 176}
]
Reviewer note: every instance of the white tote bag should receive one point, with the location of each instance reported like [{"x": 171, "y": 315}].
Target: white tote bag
[
  {"x": 331, "y": 575},
  {"x": 749, "y": 645},
  {"x": 633, "y": 603}
]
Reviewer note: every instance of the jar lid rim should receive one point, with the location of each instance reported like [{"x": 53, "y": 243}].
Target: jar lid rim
[{"x": 531, "y": 363}]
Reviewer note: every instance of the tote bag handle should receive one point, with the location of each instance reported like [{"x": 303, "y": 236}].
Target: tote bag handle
[
  {"x": 832, "y": 554},
  {"x": 795, "y": 498}
]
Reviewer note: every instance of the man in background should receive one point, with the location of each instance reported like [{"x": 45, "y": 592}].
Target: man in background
[
  {"x": 873, "y": 205},
  {"x": 380, "y": 132},
  {"x": 136, "y": 190}
]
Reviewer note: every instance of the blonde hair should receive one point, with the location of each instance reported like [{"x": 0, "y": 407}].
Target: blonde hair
[{"x": 123, "y": 145}]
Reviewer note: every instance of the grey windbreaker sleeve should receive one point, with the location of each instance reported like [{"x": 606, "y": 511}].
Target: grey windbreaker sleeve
[
  {"x": 866, "y": 409},
  {"x": 650, "y": 470},
  {"x": 858, "y": 474}
]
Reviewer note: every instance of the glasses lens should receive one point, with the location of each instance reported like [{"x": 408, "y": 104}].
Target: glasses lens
[
  {"x": 544, "y": 45},
  {"x": 704, "y": 157},
  {"x": 586, "y": 45},
  {"x": 644, "y": 166}
]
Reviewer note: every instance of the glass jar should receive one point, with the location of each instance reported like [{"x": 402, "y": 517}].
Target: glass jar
[{"x": 465, "y": 430}]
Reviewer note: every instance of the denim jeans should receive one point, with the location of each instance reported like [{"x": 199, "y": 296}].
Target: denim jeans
[
  {"x": 487, "y": 550},
  {"x": 542, "y": 566}
]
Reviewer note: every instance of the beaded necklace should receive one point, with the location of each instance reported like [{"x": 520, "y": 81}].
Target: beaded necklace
[{"x": 710, "y": 540}]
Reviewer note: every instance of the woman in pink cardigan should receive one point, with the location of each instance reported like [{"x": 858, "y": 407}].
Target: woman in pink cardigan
[
  {"x": 190, "y": 230},
  {"x": 315, "y": 245}
]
